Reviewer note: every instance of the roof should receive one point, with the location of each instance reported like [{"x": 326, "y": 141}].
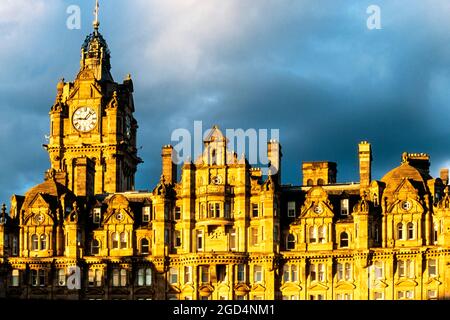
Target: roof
[
  {"x": 405, "y": 171},
  {"x": 48, "y": 188}
]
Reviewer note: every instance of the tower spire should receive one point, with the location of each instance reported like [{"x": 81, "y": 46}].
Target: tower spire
[{"x": 96, "y": 23}]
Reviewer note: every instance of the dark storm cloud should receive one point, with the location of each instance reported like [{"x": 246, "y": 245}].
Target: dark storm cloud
[{"x": 309, "y": 68}]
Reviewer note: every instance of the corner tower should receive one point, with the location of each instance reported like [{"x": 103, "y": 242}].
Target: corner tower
[{"x": 92, "y": 121}]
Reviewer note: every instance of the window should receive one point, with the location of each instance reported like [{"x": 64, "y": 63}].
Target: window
[
  {"x": 15, "y": 246},
  {"x": 173, "y": 275},
  {"x": 312, "y": 234},
  {"x": 119, "y": 277},
  {"x": 241, "y": 273},
  {"x": 343, "y": 296},
  {"x": 177, "y": 238},
  {"x": 95, "y": 277},
  {"x": 400, "y": 231},
  {"x": 410, "y": 231},
  {"x": 316, "y": 297},
  {"x": 432, "y": 268},
  {"x": 214, "y": 210},
  {"x": 290, "y": 297},
  {"x": 340, "y": 271},
  {"x": 344, "y": 240},
  {"x": 432, "y": 294},
  {"x": 378, "y": 270},
  {"x": 320, "y": 182},
  {"x": 123, "y": 240},
  {"x": 95, "y": 247},
  {"x": 123, "y": 277},
  {"x": 15, "y": 278},
  {"x": 34, "y": 278},
  {"x": 42, "y": 277},
  {"x": 310, "y": 182},
  {"x": 96, "y": 216},
  {"x": 204, "y": 274},
  {"x": 115, "y": 240},
  {"x": 321, "y": 272},
  {"x": 227, "y": 210},
  {"x": 406, "y": 268},
  {"x": 294, "y": 273},
  {"x": 435, "y": 233},
  {"x": 344, "y": 271},
  {"x": 291, "y": 209},
  {"x": 377, "y": 233},
  {"x": 146, "y": 213},
  {"x": 405, "y": 294},
  {"x": 290, "y": 241},
  {"x": 313, "y": 272},
  {"x": 144, "y": 277},
  {"x": 375, "y": 200},
  {"x": 257, "y": 274},
  {"x": 221, "y": 272},
  {"x": 34, "y": 242},
  {"x": 290, "y": 273},
  {"x": 348, "y": 271},
  {"x": 199, "y": 240},
  {"x": 344, "y": 207},
  {"x": 61, "y": 277},
  {"x": 322, "y": 234},
  {"x": 286, "y": 273},
  {"x": 255, "y": 210},
  {"x": 378, "y": 295},
  {"x": 177, "y": 213},
  {"x": 254, "y": 235},
  {"x": 145, "y": 245},
  {"x": 233, "y": 239},
  {"x": 187, "y": 274}
]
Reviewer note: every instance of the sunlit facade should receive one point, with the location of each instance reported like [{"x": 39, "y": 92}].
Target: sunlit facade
[{"x": 221, "y": 231}]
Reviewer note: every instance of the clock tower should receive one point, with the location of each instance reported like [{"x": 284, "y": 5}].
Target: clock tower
[{"x": 92, "y": 144}]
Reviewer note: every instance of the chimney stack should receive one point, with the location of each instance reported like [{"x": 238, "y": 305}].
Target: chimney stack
[
  {"x": 365, "y": 163},
  {"x": 169, "y": 168}
]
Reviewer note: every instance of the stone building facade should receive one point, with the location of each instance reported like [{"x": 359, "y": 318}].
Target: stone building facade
[{"x": 223, "y": 230}]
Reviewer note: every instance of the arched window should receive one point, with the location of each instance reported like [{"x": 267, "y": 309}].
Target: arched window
[
  {"x": 290, "y": 241},
  {"x": 375, "y": 200},
  {"x": 213, "y": 157},
  {"x": 320, "y": 182},
  {"x": 309, "y": 182},
  {"x": 410, "y": 231},
  {"x": 144, "y": 246},
  {"x": 123, "y": 240},
  {"x": 312, "y": 234},
  {"x": 115, "y": 240},
  {"x": 435, "y": 233},
  {"x": 400, "y": 231},
  {"x": 344, "y": 240},
  {"x": 43, "y": 241},
  {"x": 95, "y": 247},
  {"x": 322, "y": 234},
  {"x": 34, "y": 242}
]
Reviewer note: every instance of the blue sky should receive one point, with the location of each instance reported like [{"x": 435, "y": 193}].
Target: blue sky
[{"x": 309, "y": 68}]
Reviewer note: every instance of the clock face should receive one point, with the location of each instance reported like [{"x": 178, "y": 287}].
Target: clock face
[
  {"x": 84, "y": 119},
  {"x": 318, "y": 209}
]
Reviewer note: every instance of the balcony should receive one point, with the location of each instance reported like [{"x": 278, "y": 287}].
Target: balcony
[{"x": 215, "y": 189}]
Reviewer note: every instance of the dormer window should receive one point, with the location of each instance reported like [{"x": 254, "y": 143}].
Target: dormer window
[
  {"x": 97, "y": 215},
  {"x": 344, "y": 207},
  {"x": 146, "y": 212}
]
